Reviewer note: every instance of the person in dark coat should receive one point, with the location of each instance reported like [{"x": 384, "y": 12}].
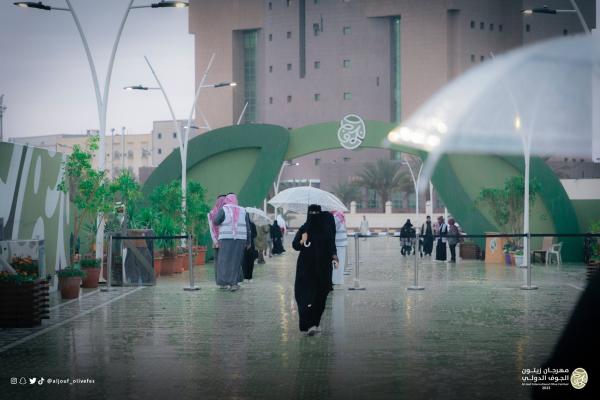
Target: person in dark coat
[
  {"x": 427, "y": 237},
  {"x": 407, "y": 234},
  {"x": 250, "y": 254},
  {"x": 277, "y": 238},
  {"x": 315, "y": 240},
  {"x": 440, "y": 247}
]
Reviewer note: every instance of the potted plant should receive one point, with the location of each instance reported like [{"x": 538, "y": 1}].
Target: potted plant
[
  {"x": 506, "y": 250},
  {"x": 87, "y": 188},
  {"x": 69, "y": 280},
  {"x": 505, "y": 206},
  {"x": 91, "y": 267},
  {"x": 167, "y": 221},
  {"x": 23, "y": 299},
  {"x": 519, "y": 257},
  {"x": 196, "y": 219}
]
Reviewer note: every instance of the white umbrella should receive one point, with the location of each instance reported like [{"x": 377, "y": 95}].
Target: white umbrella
[
  {"x": 259, "y": 217},
  {"x": 537, "y": 100},
  {"x": 298, "y": 199}
]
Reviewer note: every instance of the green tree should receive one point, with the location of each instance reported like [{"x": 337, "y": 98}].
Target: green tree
[
  {"x": 167, "y": 214},
  {"x": 197, "y": 210},
  {"x": 506, "y": 205},
  {"x": 87, "y": 188},
  {"x": 384, "y": 177},
  {"x": 346, "y": 192}
]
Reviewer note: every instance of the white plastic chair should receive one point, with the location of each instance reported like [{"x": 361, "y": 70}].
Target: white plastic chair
[{"x": 554, "y": 250}]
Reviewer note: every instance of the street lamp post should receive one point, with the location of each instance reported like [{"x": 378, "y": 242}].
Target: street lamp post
[
  {"x": 416, "y": 184},
  {"x": 285, "y": 164},
  {"x": 183, "y": 134},
  {"x": 101, "y": 97}
]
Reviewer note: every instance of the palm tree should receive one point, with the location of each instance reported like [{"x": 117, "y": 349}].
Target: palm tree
[
  {"x": 384, "y": 177},
  {"x": 346, "y": 192}
]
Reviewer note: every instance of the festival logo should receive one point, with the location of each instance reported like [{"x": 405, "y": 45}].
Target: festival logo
[
  {"x": 352, "y": 131},
  {"x": 579, "y": 378}
]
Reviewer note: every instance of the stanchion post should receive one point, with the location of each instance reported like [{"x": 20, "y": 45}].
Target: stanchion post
[
  {"x": 528, "y": 285},
  {"x": 415, "y": 285},
  {"x": 109, "y": 265},
  {"x": 347, "y": 266},
  {"x": 191, "y": 288},
  {"x": 356, "y": 262}
]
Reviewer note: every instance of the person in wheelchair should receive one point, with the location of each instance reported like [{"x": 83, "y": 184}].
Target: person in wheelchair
[{"x": 407, "y": 237}]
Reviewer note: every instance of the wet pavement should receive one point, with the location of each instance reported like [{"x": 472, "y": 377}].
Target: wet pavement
[{"x": 469, "y": 334}]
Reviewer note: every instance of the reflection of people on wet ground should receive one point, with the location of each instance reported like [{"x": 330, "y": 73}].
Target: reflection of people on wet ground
[
  {"x": 364, "y": 226},
  {"x": 277, "y": 238},
  {"x": 427, "y": 236},
  {"x": 214, "y": 229},
  {"x": 407, "y": 235},
  {"x": 315, "y": 240},
  {"x": 341, "y": 242},
  {"x": 575, "y": 348},
  {"x": 234, "y": 237},
  {"x": 440, "y": 247},
  {"x": 250, "y": 255}
]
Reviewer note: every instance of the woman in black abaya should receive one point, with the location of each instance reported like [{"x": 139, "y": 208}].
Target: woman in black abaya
[{"x": 315, "y": 240}]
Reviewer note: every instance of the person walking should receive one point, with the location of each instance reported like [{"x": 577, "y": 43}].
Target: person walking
[
  {"x": 341, "y": 243},
  {"x": 427, "y": 236},
  {"x": 315, "y": 240},
  {"x": 277, "y": 238},
  {"x": 234, "y": 237},
  {"x": 214, "y": 229},
  {"x": 262, "y": 233},
  {"x": 407, "y": 236},
  {"x": 250, "y": 255},
  {"x": 453, "y": 238},
  {"x": 440, "y": 247}
]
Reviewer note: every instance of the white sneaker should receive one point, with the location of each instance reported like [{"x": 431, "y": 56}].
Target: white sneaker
[
  {"x": 312, "y": 330},
  {"x": 234, "y": 288}
]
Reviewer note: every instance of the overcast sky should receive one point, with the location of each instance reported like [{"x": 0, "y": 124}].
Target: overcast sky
[{"x": 46, "y": 80}]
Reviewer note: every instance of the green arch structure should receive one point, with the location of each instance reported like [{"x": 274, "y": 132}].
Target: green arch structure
[{"x": 246, "y": 159}]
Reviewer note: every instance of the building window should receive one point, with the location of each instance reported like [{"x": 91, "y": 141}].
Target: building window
[
  {"x": 270, "y": 37},
  {"x": 270, "y": 6},
  {"x": 317, "y": 161},
  {"x": 159, "y": 151},
  {"x": 491, "y": 27},
  {"x": 395, "y": 70},
  {"x": 159, "y": 135},
  {"x": 346, "y": 159},
  {"x": 527, "y": 28},
  {"x": 288, "y": 34},
  {"x": 565, "y": 32},
  {"x": 174, "y": 135},
  {"x": 270, "y": 100},
  {"x": 472, "y": 24},
  {"x": 346, "y": 30},
  {"x": 289, "y": 67},
  {"x": 130, "y": 154},
  {"x": 316, "y": 29},
  {"x": 249, "y": 40},
  {"x": 347, "y": 96},
  {"x": 288, "y": 2},
  {"x": 289, "y": 99},
  {"x": 377, "y": 81},
  {"x": 346, "y": 63},
  {"x": 316, "y": 1},
  {"x": 472, "y": 58},
  {"x": 317, "y": 64},
  {"x": 481, "y": 25},
  {"x": 270, "y": 68},
  {"x": 317, "y": 96},
  {"x": 482, "y": 58},
  {"x": 500, "y": 27}
]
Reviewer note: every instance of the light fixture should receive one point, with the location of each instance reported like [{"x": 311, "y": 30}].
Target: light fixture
[
  {"x": 31, "y": 4},
  {"x": 539, "y": 10},
  {"x": 174, "y": 4},
  {"x": 136, "y": 87}
]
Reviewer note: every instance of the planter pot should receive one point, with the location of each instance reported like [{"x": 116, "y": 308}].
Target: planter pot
[
  {"x": 24, "y": 304},
  {"x": 157, "y": 266},
  {"x": 512, "y": 258},
  {"x": 519, "y": 260},
  {"x": 507, "y": 259},
  {"x": 91, "y": 278},
  {"x": 69, "y": 287},
  {"x": 168, "y": 265},
  {"x": 181, "y": 265},
  {"x": 200, "y": 258}
]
